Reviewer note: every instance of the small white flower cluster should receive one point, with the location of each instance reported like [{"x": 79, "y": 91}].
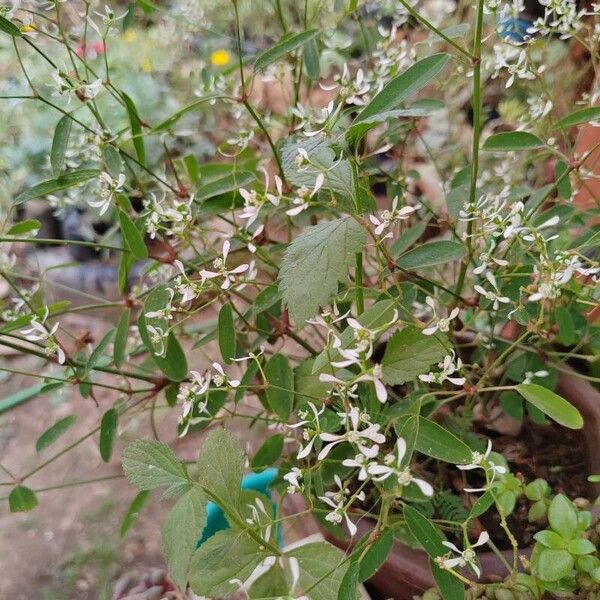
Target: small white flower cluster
[{"x": 169, "y": 215}]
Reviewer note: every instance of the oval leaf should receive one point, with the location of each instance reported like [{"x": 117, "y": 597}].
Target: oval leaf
[
  {"x": 552, "y": 405},
  {"x": 68, "y": 180},
  {"x": 59, "y": 144},
  {"x": 287, "y": 44},
  {"x": 22, "y": 499},
  {"x": 132, "y": 236},
  {"x": 280, "y": 385},
  {"x": 108, "y": 432},
  {"x": 226, "y": 333},
  {"x": 432, "y": 253},
  {"x": 121, "y": 334},
  {"x": 268, "y": 453},
  {"x": 509, "y": 141},
  {"x": 584, "y": 115},
  {"x": 53, "y": 433}
]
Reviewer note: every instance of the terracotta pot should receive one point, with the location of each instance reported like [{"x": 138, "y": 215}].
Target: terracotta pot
[{"x": 406, "y": 572}]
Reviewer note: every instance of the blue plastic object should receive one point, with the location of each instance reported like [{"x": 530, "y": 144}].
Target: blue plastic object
[
  {"x": 514, "y": 30},
  {"x": 215, "y": 519}
]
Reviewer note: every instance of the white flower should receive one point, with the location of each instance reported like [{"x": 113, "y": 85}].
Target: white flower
[
  {"x": 39, "y": 333},
  {"x": 293, "y": 478},
  {"x": 353, "y": 436},
  {"x": 188, "y": 394},
  {"x": 108, "y": 188},
  {"x": 253, "y": 202},
  {"x": 360, "y": 461},
  {"x": 91, "y": 90},
  {"x": 439, "y": 324},
  {"x": 337, "y": 501},
  {"x": 219, "y": 264},
  {"x": 449, "y": 367},
  {"x": 375, "y": 375},
  {"x": 481, "y": 461},
  {"x": 393, "y": 467},
  {"x": 466, "y": 557},
  {"x": 388, "y": 217},
  {"x": 220, "y": 379},
  {"x": 309, "y": 434},
  {"x": 492, "y": 295},
  {"x": 304, "y": 196}
]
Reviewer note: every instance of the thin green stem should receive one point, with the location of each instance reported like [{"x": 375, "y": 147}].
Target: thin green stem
[{"x": 358, "y": 280}]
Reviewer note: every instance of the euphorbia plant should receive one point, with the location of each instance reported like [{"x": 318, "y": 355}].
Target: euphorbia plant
[{"x": 373, "y": 272}]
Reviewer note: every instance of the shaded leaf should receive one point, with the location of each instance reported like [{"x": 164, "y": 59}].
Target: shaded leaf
[
  {"x": 583, "y": 115},
  {"x": 287, "y": 44},
  {"x": 59, "y": 144},
  {"x": 226, "y": 333},
  {"x": 134, "y": 510},
  {"x": 68, "y": 180},
  {"x": 280, "y": 385},
  {"x": 268, "y": 453},
  {"x": 132, "y": 236},
  {"x": 432, "y": 253},
  {"x": 108, "y": 432},
  {"x": 22, "y": 499},
  {"x": 53, "y": 433}
]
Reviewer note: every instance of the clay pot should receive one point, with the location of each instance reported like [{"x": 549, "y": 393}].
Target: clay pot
[{"x": 406, "y": 572}]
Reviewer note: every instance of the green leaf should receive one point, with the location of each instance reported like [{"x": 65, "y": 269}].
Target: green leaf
[
  {"x": 59, "y": 144},
  {"x": 400, "y": 88},
  {"x": 581, "y": 546},
  {"x": 376, "y": 555},
  {"x": 322, "y": 569},
  {"x": 22, "y": 499},
  {"x": 280, "y": 385},
  {"x": 405, "y": 240},
  {"x": 53, "y": 433},
  {"x": 174, "y": 363},
  {"x": 220, "y": 467},
  {"x": 121, "y": 336},
  {"x": 132, "y": 236},
  {"x": 433, "y": 440},
  {"x": 583, "y": 115},
  {"x": 268, "y": 453},
  {"x": 23, "y": 227},
  {"x": 409, "y": 353},
  {"x": 133, "y": 511},
  {"x": 8, "y": 27},
  {"x": 563, "y": 187},
  {"x": 562, "y": 516},
  {"x": 108, "y": 432},
  {"x": 550, "y": 539},
  {"x": 172, "y": 120},
  {"x": 272, "y": 584},
  {"x": 180, "y": 532},
  {"x": 68, "y": 180},
  {"x": 425, "y": 532},
  {"x": 325, "y": 158},
  {"x": 551, "y": 404},
  {"x": 287, "y": 44},
  {"x": 112, "y": 160},
  {"x": 230, "y": 183},
  {"x": 226, "y": 333},
  {"x": 224, "y": 556},
  {"x": 99, "y": 351},
  {"x": 509, "y": 141},
  {"x": 432, "y": 253},
  {"x": 312, "y": 60},
  {"x": 149, "y": 464},
  {"x": 314, "y": 263},
  {"x": 553, "y": 565},
  {"x": 136, "y": 128},
  {"x": 481, "y": 505}
]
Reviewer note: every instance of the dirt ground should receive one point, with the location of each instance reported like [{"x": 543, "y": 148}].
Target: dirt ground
[{"x": 69, "y": 547}]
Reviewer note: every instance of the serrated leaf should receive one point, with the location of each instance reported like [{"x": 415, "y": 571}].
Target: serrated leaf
[
  {"x": 431, "y": 254},
  {"x": 411, "y": 81},
  {"x": 226, "y": 333},
  {"x": 66, "y": 181},
  {"x": 8, "y": 27},
  {"x": 180, "y": 532},
  {"x": 121, "y": 336},
  {"x": 132, "y": 236},
  {"x": 133, "y": 511},
  {"x": 22, "y": 499},
  {"x": 315, "y": 262},
  {"x": 551, "y": 404},
  {"x": 338, "y": 174},
  {"x": 59, "y": 144},
  {"x": 136, "y": 128},
  {"x": 583, "y": 115},
  {"x": 287, "y": 44},
  {"x": 108, "y": 432},
  {"x": 149, "y": 464},
  {"x": 224, "y": 556},
  {"x": 280, "y": 385},
  {"x": 221, "y": 466},
  {"x": 268, "y": 453},
  {"x": 511, "y": 141},
  {"x": 322, "y": 569},
  {"x": 53, "y": 433},
  {"x": 410, "y": 353}
]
